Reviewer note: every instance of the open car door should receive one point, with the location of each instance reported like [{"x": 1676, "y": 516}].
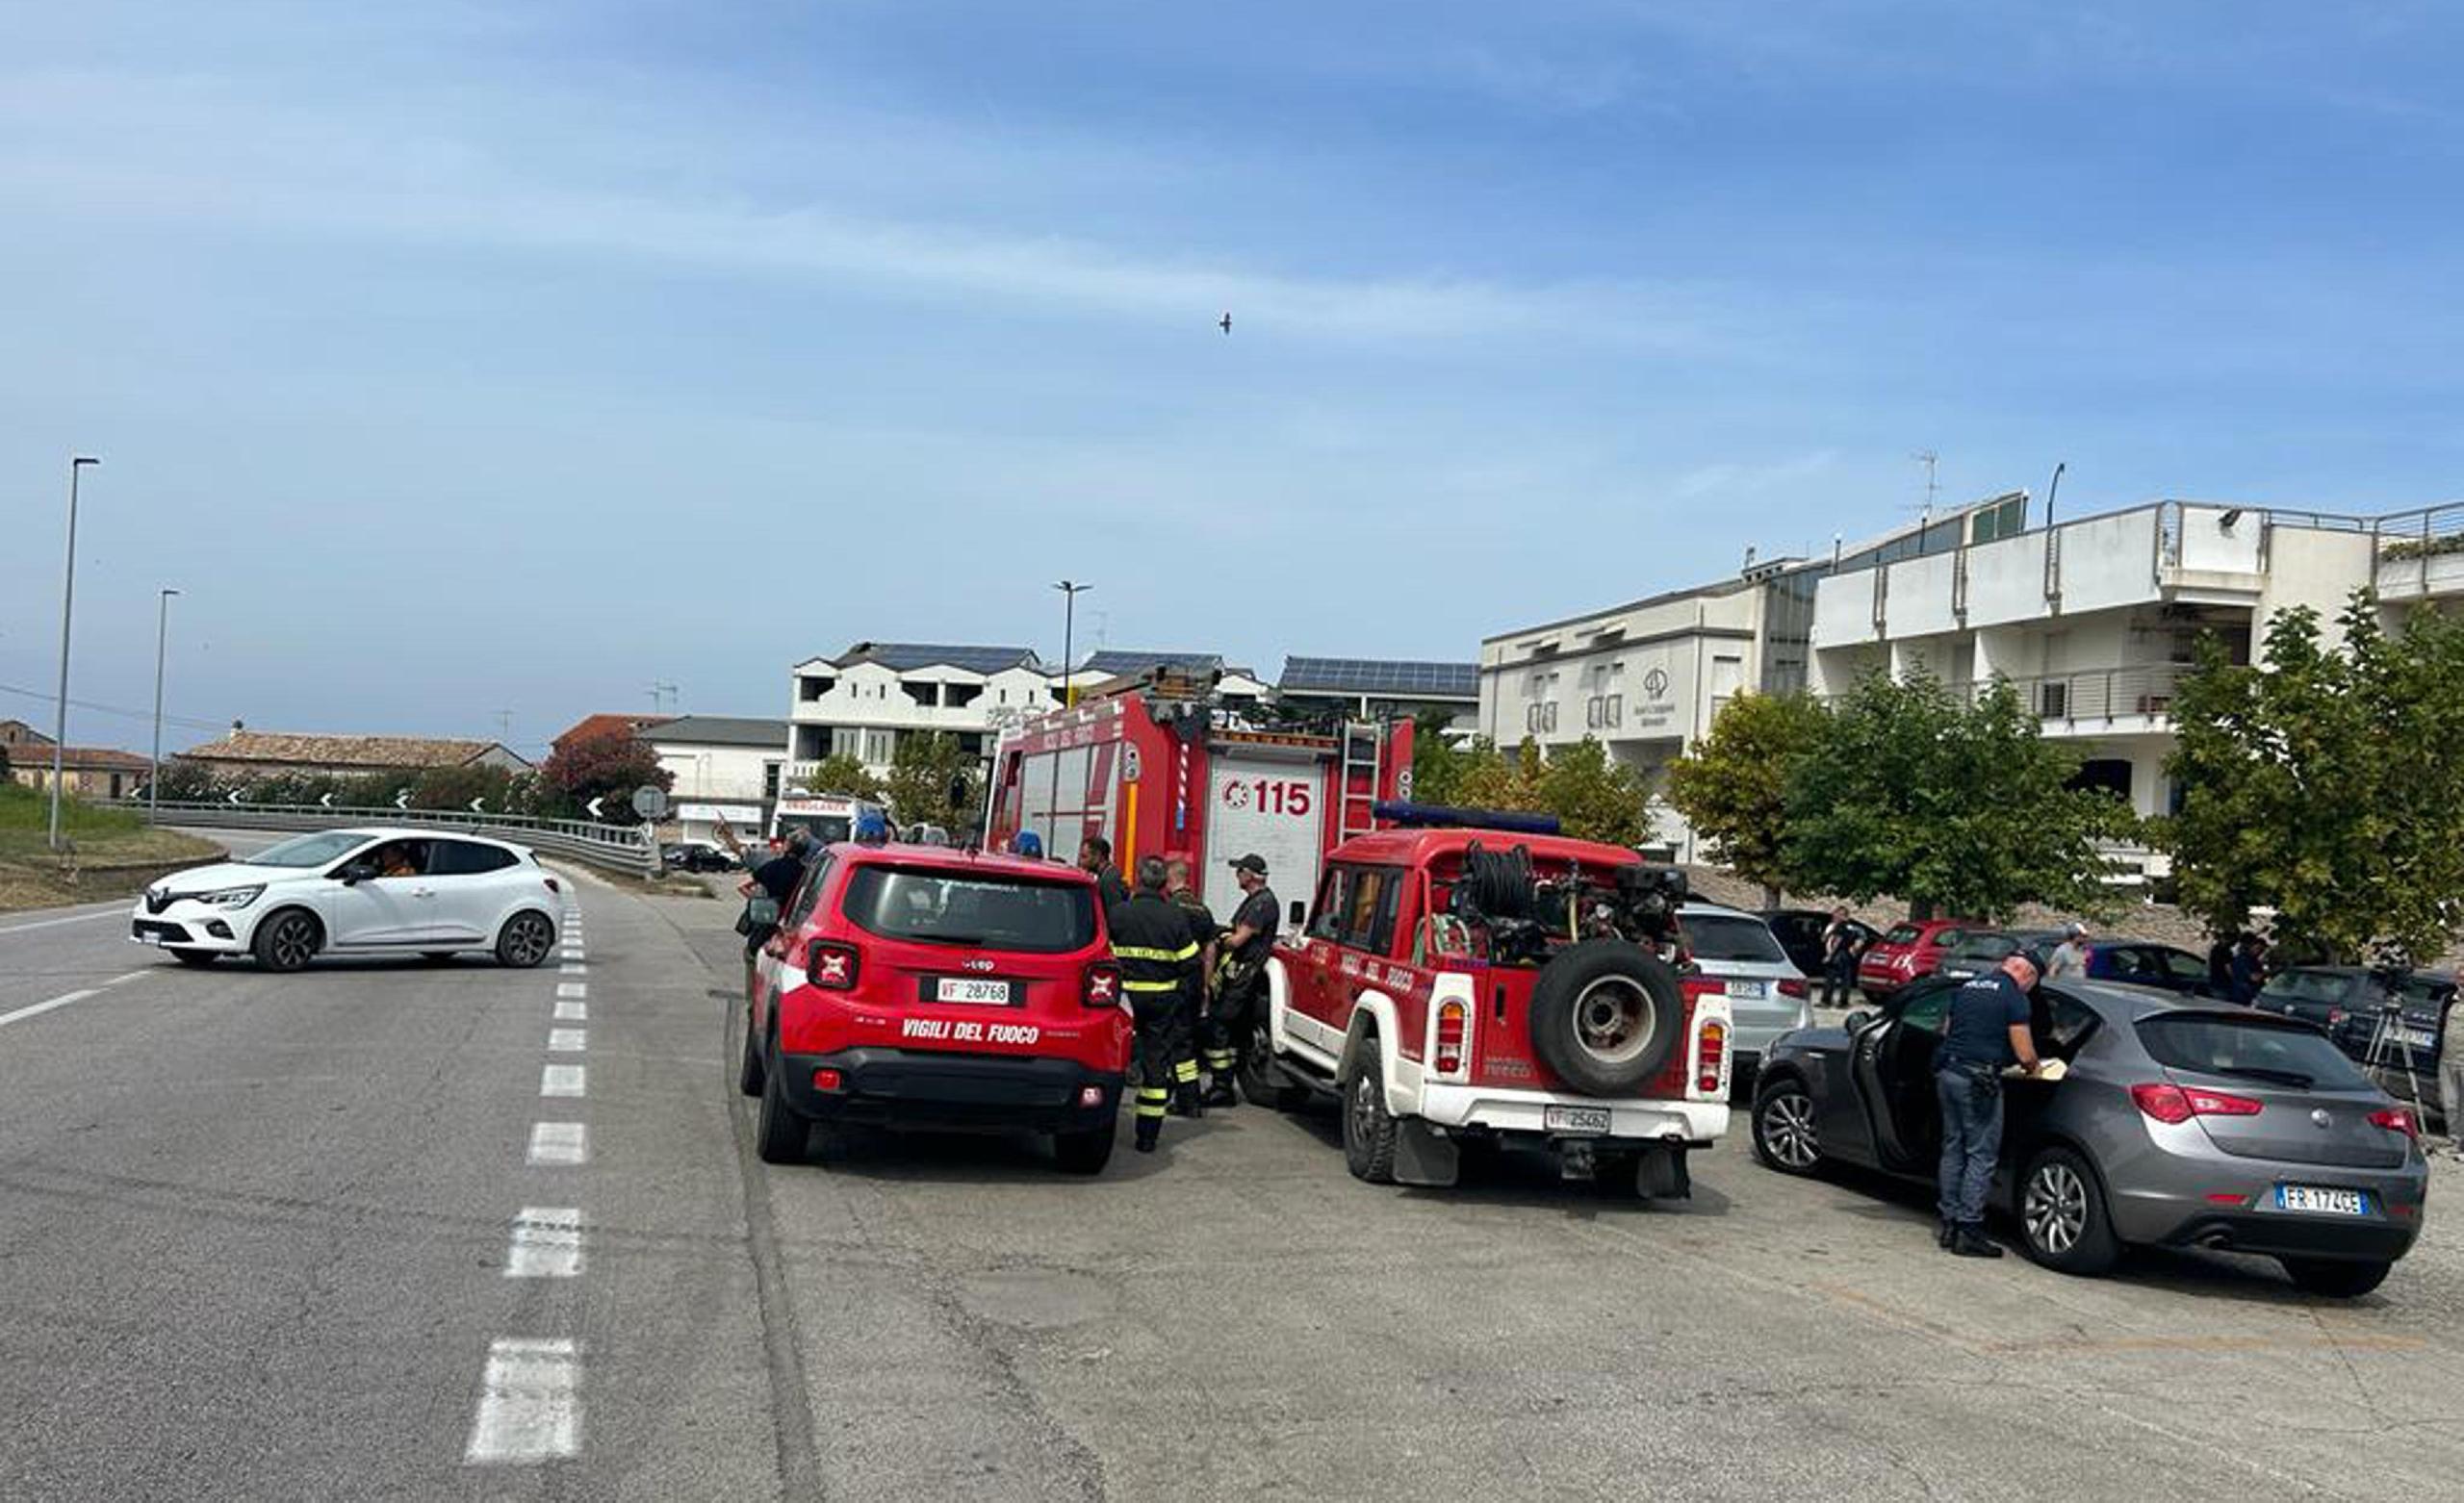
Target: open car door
[{"x": 1894, "y": 1073}]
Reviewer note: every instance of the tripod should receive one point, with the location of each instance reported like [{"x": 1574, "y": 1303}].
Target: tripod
[{"x": 2390, "y": 1040}]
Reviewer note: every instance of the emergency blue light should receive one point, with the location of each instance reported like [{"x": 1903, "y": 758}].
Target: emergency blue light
[{"x": 1439, "y": 816}]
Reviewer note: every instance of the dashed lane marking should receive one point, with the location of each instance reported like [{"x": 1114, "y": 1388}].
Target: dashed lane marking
[
  {"x": 577, "y": 968},
  {"x": 530, "y": 1404},
  {"x": 573, "y": 988},
  {"x": 559, "y": 1143},
  {"x": 547, "y": 1243},
  {"x": 567, "y": 1040},
  {"x": 562, "y": 1079},
  {"x": 572, "y": 1012},
  {"x": 42, "y": 1008}
]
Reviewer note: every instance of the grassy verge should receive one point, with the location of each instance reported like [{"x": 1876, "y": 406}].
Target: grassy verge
[{"x": 111, "y": 853}]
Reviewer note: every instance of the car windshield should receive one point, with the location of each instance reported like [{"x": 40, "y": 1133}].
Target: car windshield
[
  {"x": 303, "y": 850},
  {"x": 2252, "y": 1048},
  {"x": 1902, "y": 934},
  {"x": 2307, "y": 986},
  {"x": 971, "y": 908},
  {"x": 1726, "y": 937},
  {"x": 1985, "y": 947},
  {"x": 827, "y": 828}
]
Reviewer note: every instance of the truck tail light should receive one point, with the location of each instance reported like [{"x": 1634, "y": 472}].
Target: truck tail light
[
  {"x": 2396, "y": 1119},
  {"x": 1711, "y": 1057},
  {"x": 1101, "y": 987},
  {"x": 1454, "y": 1027},
  {"x": 833, "y": 966},
  {"x": 2174, "y": 1105}
]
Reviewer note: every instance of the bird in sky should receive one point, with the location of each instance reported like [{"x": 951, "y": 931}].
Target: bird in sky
[{"x": 1225, "y": 324}]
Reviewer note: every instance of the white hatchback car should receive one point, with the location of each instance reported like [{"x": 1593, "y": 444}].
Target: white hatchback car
[
  {"x": 1736, "y": 955},
  {"x": 425, "y": 892}
]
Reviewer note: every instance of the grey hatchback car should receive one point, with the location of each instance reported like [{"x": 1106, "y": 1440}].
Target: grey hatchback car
[{"x": 2179, "y": 1124}]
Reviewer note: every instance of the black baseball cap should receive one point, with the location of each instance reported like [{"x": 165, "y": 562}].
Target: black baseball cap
[
  {"x": 2032, "y": 954},
  {"x": 1252, "y": 862}
]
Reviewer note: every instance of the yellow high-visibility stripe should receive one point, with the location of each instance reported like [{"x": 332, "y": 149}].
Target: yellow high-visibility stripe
[
  {"x": 1148, "y": 952},
  {"x": 1186, "y": 1070},
  {"x": 1150, "y": 986}
]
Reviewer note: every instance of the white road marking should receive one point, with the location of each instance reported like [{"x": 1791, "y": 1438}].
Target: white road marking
[
  {"x": 115, "y": 910},
  {"x": 573, "y": 988},
  {"x": 40, "y": 1007},
  {"x": 562, "y": 1079},
  {"x": 572, "y": 1012},
  {"x": 559, "y": 1143},
  {"x": 547, "y": 1243},
  {"x": 567, "y": 1040},
  {"x": 574, "y": 968},
  {"x": 530, "y": 1404},
  {"x": 133, "y": 976}
]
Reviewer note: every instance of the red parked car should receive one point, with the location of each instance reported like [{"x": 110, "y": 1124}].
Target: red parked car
[
  {"x": 1908, "y": 950},
  {"x": 924, "y": 987}
]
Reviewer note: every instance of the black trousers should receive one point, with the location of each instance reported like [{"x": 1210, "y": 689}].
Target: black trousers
[
  {"x": 1229, "y": 1020},
  {"x": 1159, "y": 1019}
]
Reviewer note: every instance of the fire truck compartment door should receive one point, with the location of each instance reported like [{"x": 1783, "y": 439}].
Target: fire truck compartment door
[{"x": 1274, "y": 807}]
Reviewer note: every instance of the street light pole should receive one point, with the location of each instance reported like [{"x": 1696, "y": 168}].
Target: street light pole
[
  {"x": 67, "y": 599},
  {"x": 1070, "y": 589},
  {"x": 2052, "y": 490},
  {"x": 154, "y": 770}
]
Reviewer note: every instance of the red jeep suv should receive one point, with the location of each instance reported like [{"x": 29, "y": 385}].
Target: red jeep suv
[{"x": 922, "y": 986}]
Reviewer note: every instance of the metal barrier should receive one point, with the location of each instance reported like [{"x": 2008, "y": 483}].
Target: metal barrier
[{"x": 627, "y": 848}]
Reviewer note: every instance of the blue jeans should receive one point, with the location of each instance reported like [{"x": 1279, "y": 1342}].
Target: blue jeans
[{"x": 1971, "y": 1141}]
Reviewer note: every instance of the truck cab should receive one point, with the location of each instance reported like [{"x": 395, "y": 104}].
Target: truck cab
[{"x": 1458, "y": 986}]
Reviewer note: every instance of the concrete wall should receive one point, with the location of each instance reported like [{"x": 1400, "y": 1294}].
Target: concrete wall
[
  {"x": 707, "y": 774},
  {"x": 2006, "y": 580},
  {"x": 2109, "y": 561},
  {"x": 2318, "y": 569},
  {"x": 1843, "y": 610},
  {"x": 1920, "y": 596},
  {"x": 2207, "y": 545}
]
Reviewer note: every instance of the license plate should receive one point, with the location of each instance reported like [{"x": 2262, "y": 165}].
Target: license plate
[
  {"x": 1575, "y": 1119},
  {"x": 2323, "y": 1201},
  {"x": 149, "y": 938},
  {"x": 970, "y": 989},
  {"x": 2420, "y": 1038},
  {"x": 1754, "y": 990}
]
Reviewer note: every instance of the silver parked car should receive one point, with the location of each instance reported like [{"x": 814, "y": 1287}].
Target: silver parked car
[
  {"x": 1736, "y": 955},
  {"x": 2180, "y": 1123}
]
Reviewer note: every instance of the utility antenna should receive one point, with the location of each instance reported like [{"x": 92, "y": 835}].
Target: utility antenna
[
  {"x": 504, "y": 726},
  {"x": 1928, "y": 459},
  {"x": 661, "y": 692}
]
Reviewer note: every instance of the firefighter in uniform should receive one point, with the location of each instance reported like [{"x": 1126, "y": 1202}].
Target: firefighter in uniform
[
  {"x": 1186, "y": 1100},
  {"x": 1151, "y": 940},
  {"x": 1239, "y": 979}
]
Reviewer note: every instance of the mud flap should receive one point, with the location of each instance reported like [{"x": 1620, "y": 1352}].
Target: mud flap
[
  {"x": 1424, "y": 1155},
  {"x": 1660, "y": 1173}
]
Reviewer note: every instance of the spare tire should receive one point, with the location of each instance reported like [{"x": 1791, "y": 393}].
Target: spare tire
[{"x": 1605, "y": 1016}]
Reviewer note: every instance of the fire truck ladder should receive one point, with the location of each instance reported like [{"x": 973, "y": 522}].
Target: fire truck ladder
[{"x": 1364, "y": 767}]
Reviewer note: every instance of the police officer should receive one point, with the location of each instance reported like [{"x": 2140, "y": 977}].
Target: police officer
[
  {"x": 1177, "y": 885},
  {"x": 1986, "y": 1030},
  {"x": 1151, "y": 940},
  {"x": 1239, "y": 977}
]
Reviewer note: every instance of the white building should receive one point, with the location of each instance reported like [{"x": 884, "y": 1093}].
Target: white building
[
  {"x": 1645, "y": 678},
  {"x": 2097, "y": 620},
  {"x": 726, "y": 767},
  {"x": 862, "y": 702}
]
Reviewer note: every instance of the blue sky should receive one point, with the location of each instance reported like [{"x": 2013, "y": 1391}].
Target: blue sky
[{"x": 462, "y": 356}]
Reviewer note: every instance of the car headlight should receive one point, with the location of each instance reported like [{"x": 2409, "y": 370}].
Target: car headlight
[{"x": 229, "y": 897}]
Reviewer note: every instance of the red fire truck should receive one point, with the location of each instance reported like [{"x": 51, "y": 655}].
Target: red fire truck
[{"x": 1157, "y": 769}]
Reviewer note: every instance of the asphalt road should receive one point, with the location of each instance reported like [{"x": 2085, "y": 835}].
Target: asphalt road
[{"x": 303, "y": 1236}]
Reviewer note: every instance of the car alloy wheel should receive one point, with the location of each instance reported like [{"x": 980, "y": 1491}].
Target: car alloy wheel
[
  {"x": 2055, "y": 1211},
  {"x": 1788, "y": 1130},
  {"x": 294, "y": 941},
  {"x": 526, "y": 939}
]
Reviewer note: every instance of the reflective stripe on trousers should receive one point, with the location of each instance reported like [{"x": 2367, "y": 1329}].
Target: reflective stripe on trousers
[{"x": 1152, "y": 1100}]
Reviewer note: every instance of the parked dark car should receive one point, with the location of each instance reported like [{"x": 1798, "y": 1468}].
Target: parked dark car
[
  {"x": 1800, "y": 931},
  {"x": 2178, "y": 1123},
  {"x": 2140, "y": 963},
  {"x": 693, "y": 855},
  {"x": 1981, "y": 949},
  {"x": 2369, "y": 1014}
]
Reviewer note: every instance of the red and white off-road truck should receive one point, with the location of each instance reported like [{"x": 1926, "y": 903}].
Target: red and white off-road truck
[{"x": 1458, "y": 988}]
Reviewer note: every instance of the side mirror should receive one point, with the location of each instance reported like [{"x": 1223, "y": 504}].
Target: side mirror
[
  {"x": 356, "y": 872},
  {"x": 1299, "y": 913},
  {"x": 1857, "y": 1020}
]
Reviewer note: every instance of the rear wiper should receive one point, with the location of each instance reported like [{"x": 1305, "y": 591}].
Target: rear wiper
[{"x": 2293, "y": 1078}]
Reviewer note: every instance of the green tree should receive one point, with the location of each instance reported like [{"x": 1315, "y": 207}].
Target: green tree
[
  {"x": 843, "y": 774},
  {"x": 454, "y": 787},
  {"x": 1960, "y": 808},
  {"x": 1595, "y": 797},
  {"x": 921, "y": 775},
  {"x": 1493, "y": 779},
  {"x": 2327, "y": 784},
  {"x": 1733, "y": 787},
  {"x": 1438, "y": 764}
]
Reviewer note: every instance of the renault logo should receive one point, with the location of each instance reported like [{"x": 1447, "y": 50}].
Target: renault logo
[{"x": 2322, "y": 1117}]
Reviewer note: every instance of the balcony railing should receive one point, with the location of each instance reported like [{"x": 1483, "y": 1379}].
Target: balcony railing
[{"x": 2102, "y": 695}]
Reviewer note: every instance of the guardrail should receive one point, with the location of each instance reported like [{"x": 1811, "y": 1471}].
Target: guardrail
[{"x": 627, "y": 848}]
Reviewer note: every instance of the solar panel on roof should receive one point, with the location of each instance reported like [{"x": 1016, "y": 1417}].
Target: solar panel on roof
[
  {"x": 1382, "y": 676},
  {"x": 905, "y": 656}
]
